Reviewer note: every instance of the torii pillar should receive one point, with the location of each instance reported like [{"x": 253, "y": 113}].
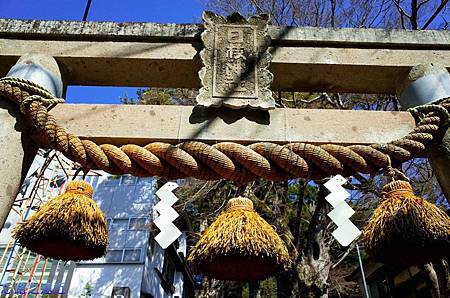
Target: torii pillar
[
  {"x": 17, "y": 150},
  {"x": 426, "y": 84}
]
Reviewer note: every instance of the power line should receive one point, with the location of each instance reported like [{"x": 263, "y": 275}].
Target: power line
[{"x": 86, "y": 10}]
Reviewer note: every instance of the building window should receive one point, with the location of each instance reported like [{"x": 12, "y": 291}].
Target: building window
[
  {"x": 128, "y": 255},
  {"x": 151, "y": 246},
  {"x": 138, "y": 223},
  {"x": 132, "y": 255},
  {"x": 144, "y": 180},
  {"x": 168, "y": 269},
  {"x": 167, "y": 275},
  {"x": 119, "y": 224},
  {"x": 114, "y": 256},
  {"x": 134, "y": 223},
  {"x": 129, "y": 180},
  {"x": 92, "y": 180},
  {"x": 112, "y": 180},
  {"x": 122, "y": 292}
]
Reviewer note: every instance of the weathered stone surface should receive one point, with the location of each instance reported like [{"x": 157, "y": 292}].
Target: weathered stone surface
[
  {"x": 17, "y": 148},
  {"x": 417, "y": 72},
  {"x": 382, "y": 38},
  {"x": 17, "y": 152},
  {"x": 104, "y": 124},
  {"x": 177, "y": 64},
  {"x": 235, "y": 58},
  {"x": 41, "y": 70},
  {"x": 304, "y": 59},
  {"x": 440, "y": 161}
]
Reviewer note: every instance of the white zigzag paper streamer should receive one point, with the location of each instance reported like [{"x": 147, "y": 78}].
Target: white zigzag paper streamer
[
  {"x": 169, "y": 232},
  {"x": 346, "y": 231}
]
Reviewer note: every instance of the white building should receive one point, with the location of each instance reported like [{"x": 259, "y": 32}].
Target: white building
[{"x": 134, "y": 266}]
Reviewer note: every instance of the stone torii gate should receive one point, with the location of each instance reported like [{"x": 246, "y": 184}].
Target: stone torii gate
[{"x": 167, "y": 55}]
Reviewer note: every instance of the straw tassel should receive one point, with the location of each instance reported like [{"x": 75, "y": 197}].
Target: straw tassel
[
  {"x": 239, "y": 245},
  {"x": 68, "y": 227},
  {"x": 407, "y": 229}
]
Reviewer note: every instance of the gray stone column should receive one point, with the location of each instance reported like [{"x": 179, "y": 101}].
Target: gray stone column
[
  {"x": 425, "y": 84},
  {"x": 17, "y": 151}
]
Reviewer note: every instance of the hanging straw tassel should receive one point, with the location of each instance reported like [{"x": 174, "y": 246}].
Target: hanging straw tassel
[
  {"x": 68, "y": 227},
  {"x": 406, "y": 229},
  {"x": 239, "y": 245}
]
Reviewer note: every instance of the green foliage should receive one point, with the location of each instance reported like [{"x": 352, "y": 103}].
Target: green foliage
[
  {"x": 150, "y": 96},
  {"x": 162, "y": 96},
  {"x": 87, "y": 290},
  {"x": 267, "y": 289}
]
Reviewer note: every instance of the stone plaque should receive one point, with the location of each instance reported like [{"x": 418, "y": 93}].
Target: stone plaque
[{"x": 235, "y": 61}]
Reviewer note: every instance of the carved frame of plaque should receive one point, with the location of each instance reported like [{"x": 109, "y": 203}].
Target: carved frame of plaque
[{"x": 236, "y": 60}]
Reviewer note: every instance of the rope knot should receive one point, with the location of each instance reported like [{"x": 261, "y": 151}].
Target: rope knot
[
  {"x": 39, "y": 93},
  {"x": 420, "y": 111}
]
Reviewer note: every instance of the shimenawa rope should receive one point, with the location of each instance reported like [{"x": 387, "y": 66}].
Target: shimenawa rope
[{"x": 227, "y": 159}]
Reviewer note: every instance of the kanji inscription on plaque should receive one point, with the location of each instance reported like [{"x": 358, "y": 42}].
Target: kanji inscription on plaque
[
  {"x": 235, "y": 61},
  {"x": 234, "y": 73}
]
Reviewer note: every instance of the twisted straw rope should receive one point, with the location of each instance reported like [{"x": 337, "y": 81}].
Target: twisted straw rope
[{"x": 222, "y": 160}]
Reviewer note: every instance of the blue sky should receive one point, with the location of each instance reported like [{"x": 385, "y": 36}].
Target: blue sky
[{"x": 160, "y": 11}]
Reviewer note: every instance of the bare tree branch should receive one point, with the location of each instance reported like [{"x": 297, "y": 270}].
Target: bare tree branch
[
  {"x": 400, "y": 8},
  {"x": 349, "y": 249},
  {"x": 333, "y": 11},
  {"x": 435, "y": 14},
  {"x": 422, "y": 3},
  {"x": 414, "y": 15}
]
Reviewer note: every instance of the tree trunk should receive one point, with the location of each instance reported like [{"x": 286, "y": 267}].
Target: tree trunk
[
  {"x": 254, "y": 289},
  {"x": 286, "y": 282},
  {"x": 231, "y": 289},
  {"x": 432, "y": 280},
  {"x": 309, "y": 275},
  {"x": 209, "y": 288},
  {"x": 219, "y": 289},
  {"x": 442, "y": 271},
  {"x": 315, "y": 261}
]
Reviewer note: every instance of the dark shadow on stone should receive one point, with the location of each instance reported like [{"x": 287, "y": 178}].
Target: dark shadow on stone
[
  {"x": 21, "y": 126},
  {"x": 201, "y": 114},
  {"x": 197, "y": 44}
]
